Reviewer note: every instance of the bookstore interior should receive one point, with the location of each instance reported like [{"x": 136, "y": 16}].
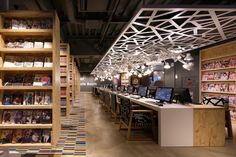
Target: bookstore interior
[{"x": 167, "y": 82}]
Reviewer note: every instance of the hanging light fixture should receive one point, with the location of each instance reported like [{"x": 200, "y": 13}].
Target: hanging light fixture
[
  {"x": 167, "y": 65},
  {"x": 188, "y": 57}
]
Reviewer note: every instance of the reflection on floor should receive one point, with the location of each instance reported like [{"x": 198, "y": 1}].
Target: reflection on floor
[
  {"x": 104, "y": 139},
  {"x": 72, "y": 141}
]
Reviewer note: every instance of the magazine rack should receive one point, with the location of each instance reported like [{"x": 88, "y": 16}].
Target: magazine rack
[
  {"x": 64, "y": 70},
  {"x": 72, "y": 79},
  {"x": 35, "y": 34},
  {"x": 218, "y": 74}
]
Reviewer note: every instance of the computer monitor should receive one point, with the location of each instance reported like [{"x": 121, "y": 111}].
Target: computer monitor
[
  {"x": 152, "y": 91},
  {"x": 164, "y": 94},
  {"x": 182, "y": 95},
  {"x": 142, "y": 91},
  {"x": 130, "y": 89}
]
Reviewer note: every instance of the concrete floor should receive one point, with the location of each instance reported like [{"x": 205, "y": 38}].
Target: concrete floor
[{"x": 105, "y": 140}]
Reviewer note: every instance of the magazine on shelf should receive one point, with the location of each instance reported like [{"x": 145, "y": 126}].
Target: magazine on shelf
[
  {"x": 232, "y": 75},
  {"x": 18, "y": 80},
  {"x": 38, "y": 80},
  {"x": 17, "y": 99},
  {"x": 8, "y": 80},
  {"x": 36, "y": 136},
  {"x": 46, "y": 136},
  {"x": 39, "y": 98},
  {"x": 29, "y": 61},
  {"x": 47, "y": 45},
  {"x": 28, "y": 44},
  {"x": 38, "y": 44},
  {"x": 28, "y": 80},
  {"x": 48, "y": 98},
  {"x": 36, "y": 115},
  {"x": 17, "y": 136},
  {"x": 27, "y": 136},
  {"x": 18, "y": 117},
  {"x": 19, "y": 61},
  {"x": 224, "y": 75},
  {"x": 46, "y": 80},
  {"x": 8, "y": 117},
  {"x": 7, "y": 99},
  {"x": 27, "y": 117},
  {"x": 46, "y": 117},
  {"x": 48, "y": 62},
  {"x": 6, "y": 136},
  {"x": 9, "y": 61},
  {"x": 232, "y": 61},
  {"x": 38, "y": 61},
  {"x": 232, "y": 88},
  {"x": 28, "y": 98},
  {"x": 210, "y": 76}
]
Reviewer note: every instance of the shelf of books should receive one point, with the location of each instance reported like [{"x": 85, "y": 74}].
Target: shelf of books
[
  {"x": 64, "y": 68},
  {"x": 29, "y": 79},
  {"x": 218, "y": 74},
  {"x": 71, "y": 80},
  {"x": 77, "y": 82}
]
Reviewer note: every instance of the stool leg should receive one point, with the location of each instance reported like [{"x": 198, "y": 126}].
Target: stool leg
[
  {"x": 228, "y": 124},
  {"x": 130, "y": 127}
]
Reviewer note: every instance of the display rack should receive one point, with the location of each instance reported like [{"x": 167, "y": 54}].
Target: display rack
[
  {"x": 29, "y": 34},
  {"x": 71, "y": 81},
  {"x": 77, "y": 82},
  {"x": 218, "y": 74},
  {"x": 64, "y": 65}
]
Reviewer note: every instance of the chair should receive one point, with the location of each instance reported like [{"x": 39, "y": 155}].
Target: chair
[
  {"x": 224, "y": 103},
  {"x": 132, "y": 117}
]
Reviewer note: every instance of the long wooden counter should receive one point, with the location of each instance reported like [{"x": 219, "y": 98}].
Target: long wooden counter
[{"x": 185, "y": 125}]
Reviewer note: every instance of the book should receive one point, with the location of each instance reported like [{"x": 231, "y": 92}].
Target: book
[
  {"x": 36, "y": 136},
  {"x": 39, "y": 98},
  {"x": 28, "y": 61},
  {"x": 232, "y": 61},
  {"x": 232, "y": 75},
  {"x": 28, "y": 79},
  {"x": 17, "y": 99},
  {"x": 6, "y": 136},
  {"x": 17, "y": 136},
  {"x": 27, "y": 136},
  {"x": 223, "y": 76},
  {"x": 15, "y": 24},
  {"x": 8, "y": 80},
  {"x": 210, "y": 76},
  {"x": 47, "y": 45},
  {"x": 46, "y": 117},
  {"x": 63, "y": 102},
  {"x": 38, "y": 61},
  {"x": 46, "y": 136},
  {"x": 9, "y": 61},
  {"x": 8, "y": 117},
  {"x": 17, "y": 79},
  {"x": 27, "y": 117},
  {"x": 38, "y": 80},
  {"x": 46, "y": 80},
  {"x": 28, "y": 44},
  {"x": 28, "y": 98},
  {"x": 48, "y": 62},
  {"x": 38, "y": 44},
  {"x": 48, "y": 98},
  {"x": 19, "y": 61},
  {"x": 232, "y": 88},
  {"x": 7, "y": 99},
  {"x": 36, "y": 115},
  {"x": 18, "y": 117}
]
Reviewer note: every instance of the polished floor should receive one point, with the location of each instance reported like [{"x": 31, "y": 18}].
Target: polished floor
[{"x": 105, "y": 140}]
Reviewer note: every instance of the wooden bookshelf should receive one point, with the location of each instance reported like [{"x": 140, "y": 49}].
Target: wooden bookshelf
[
  {"x": 218, "y": 60},
  {"x": 51, "y": 35},
  {"x": 65, "y": 54}
]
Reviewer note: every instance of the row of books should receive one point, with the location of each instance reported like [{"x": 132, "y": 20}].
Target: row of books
[
  {"x": 63, "y": 91},
  {"x": 27, "y": 43},
  {"x": 63, "y": 112},
  {"x": 222, "y": 63},
  {"x": 63, "y": 60},
  {"x": 218, "y": 87},
  {"x": 63, "y": 80},
  {"x": 63, "y": 70},
  {"x": 27, "y": 23},
  {"x": 27, "y": 117},
  {"x": 27, "y": 80},
  {"x": 63, "y": 102},
  {"x": 27, "y": 61},
  {"x": 25, "y": 136},
  {"x": 231, "y": 99},
  {"x": 226, "y": 75},
  {"x": 28, "y": 98}
]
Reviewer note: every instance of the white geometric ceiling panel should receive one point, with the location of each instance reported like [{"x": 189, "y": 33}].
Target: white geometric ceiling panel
[{"x": 158, "y": 34}]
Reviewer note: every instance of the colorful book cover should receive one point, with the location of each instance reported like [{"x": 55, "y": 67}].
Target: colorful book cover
[
  {"x": 46, "y": 136},
  {"x": 27, "y": 117},
  {"x": 36, "y": 136},
  {"x": 17, "y": 136},
  {"x": 39, "y": 98},
  {"x": 46, "y": 117},
  {"x": 48, "y": 98},
  {"x": 36, "y": 115},
  {"x": 6, "y": 136},
  {"x": 28, "y": 98}
]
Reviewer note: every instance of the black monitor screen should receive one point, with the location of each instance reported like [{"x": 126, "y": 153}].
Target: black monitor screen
[
  {"x": 142, "y": 91},
  {"x": 164, "y": 94},
  {"x": 182, "y": 95},
  {"x": 130, "y": 89}
]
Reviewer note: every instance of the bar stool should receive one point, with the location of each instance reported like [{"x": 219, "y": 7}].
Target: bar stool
[{"x": 132, "y": 117}]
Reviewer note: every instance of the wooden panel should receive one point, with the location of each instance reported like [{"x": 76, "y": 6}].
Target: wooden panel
[
  {"x": 26, "y": 32},
  {"x": 209, "y": 127}
]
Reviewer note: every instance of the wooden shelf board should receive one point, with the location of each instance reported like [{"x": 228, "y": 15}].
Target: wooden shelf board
[
  {"x": 63, "y": 106},
  {"x": 38, "y": 145},
  {"x": 62, "y": 96},
  {"x": 63, "y": 85},
  {"x": 27, "y": 32},
  {"x": 218, "y": 81},
  {"x": 26, "y": 69},
  {"x": 219, "y": 92},
  {"x": 64, "y": 75},
  {"x": 219, "y": 69},
  {"x": 25, "y": 126},
  {"x": 26, "y": 50},
  {"x": 25, "y": 107},
  {"x": 26, "y": 88},
  {"x": 64, "y": 65},
  {"x": 63, "y": 55},
  {"x": 216, "y": 58}
]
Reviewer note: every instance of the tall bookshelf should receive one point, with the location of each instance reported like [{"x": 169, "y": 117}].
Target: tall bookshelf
[
  {"x": 21, "y": 35},
  {"x": 71, "y": 81},
  {"x": 218, "y": 74},
  {"x": 64, "y": 70},
  {"x": 77, "y": 82}
]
